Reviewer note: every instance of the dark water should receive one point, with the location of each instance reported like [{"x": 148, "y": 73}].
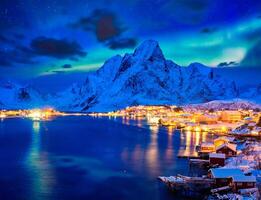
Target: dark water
[{"x": 89, "y": 158}]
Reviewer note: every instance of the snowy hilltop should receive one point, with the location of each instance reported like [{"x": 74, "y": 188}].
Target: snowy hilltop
[
  {"x": 145, "y": 77},
  {"x": 234, "y": 104},
  {"x": 15, "y": 96}
]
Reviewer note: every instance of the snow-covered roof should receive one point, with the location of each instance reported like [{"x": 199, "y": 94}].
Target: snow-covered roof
[
  {"x": 252, "y": 124},
  {"x": 229, "y": 139},
  {"x": 207, "y": 144},
  {"x": 233, "y": 147},
  {"x": 248, "y": 118},
  {"x": 225, "y": 172},
  {"x": 217, "y": 155},
  {"x": 243, "y": 178}
]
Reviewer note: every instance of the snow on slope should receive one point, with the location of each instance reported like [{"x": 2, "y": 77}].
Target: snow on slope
[
  {"x": 234, "y": 104},
  {"x": 14, "y": 96},
  {"x": 146, "y": 77}
]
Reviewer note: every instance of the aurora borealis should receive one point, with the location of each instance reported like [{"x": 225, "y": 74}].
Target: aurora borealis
[{"x": 57, "y": 38}]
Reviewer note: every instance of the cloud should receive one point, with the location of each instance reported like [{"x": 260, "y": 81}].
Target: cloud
[
  {"x": 74, "y": 59},
  {"x": 102, "y": 22},
  {"x": 208, "y": 30},
  {"x": 122, "y": 43},
  {"x": 196, "y": 5},
  {"x": 67, "y": 66},
  {"x": 6, "y": 40},
  {"x": 57, "y": 48},
  {"x": 106, "y": 27},
  {"x": 227, "y": 64},
  {"x": 16, "y": 53},
  {"x": 15, "y": 56},
  {"x": 252, "y": 58}
]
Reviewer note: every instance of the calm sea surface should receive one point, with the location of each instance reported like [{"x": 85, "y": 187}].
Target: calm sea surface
[{"x": 90, "y": 158}]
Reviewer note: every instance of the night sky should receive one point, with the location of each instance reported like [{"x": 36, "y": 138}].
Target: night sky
[{"x": 49, "y": 38}]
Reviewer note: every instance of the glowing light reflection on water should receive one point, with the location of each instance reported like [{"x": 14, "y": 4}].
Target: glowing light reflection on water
[
  {"x": 37, "y": 162},
  {"x": 74, "y": 157}
]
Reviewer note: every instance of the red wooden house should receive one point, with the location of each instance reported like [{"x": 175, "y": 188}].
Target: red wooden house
[
  {"x": 242, "y": 182},
  {"x": 222, "y": 176},
  {"x": 217, "y": 159},
  {"x": 228, "y": 149}
]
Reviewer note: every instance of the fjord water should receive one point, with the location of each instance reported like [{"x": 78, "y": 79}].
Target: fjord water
[{"x": 90, "y": 158}]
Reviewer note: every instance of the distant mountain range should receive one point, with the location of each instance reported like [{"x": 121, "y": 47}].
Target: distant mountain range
[{"x": 143, "y": 77}]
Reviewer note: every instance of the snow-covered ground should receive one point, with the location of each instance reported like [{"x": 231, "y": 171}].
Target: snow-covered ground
[
  {"x": 15, "y": 96},
  {"x": 248, "y": 160}
]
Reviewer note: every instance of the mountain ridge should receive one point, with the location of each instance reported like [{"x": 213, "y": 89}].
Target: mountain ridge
[
  {"x": 146, "y": 77},
  {"x": 143, "y": 77}
]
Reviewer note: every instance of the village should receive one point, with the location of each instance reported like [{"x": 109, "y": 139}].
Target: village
[
  {"x": 232, "y": 161},
  {"x": 222, "y": 122},
  {"x": 35, "y": 114}
]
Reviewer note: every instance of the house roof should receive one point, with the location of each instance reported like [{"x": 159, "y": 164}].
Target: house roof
[
  {"x": 207, "y": 144},
  {"x": 242, "y": 178},
  {"x": 217, "y": 155},
  {"x": 233, "y": 147},
  {"x": 225, "y": 138},
  {"x": 248, "y": 118},
  {"x": 252, "y": 124},
  {"x": 225, "y": 172}
]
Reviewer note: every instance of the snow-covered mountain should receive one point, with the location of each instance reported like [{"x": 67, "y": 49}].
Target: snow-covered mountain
[
  {"x": 146, "y": 77},
  {"x": 143, "y": 77},
  {"x": 14, "y": 96}
]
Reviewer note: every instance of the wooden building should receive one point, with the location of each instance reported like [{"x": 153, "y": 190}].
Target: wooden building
[
  {"x": 207, "y": 119},
  {"x": 217, "y": 159},
  {"x": 206, "y": 147},
  {"x": 228, "y": 149},
  {"x": 222, "y": 176},
  {"x": 230, "y": 116},
  {"x": 223, "y": 140},
  {"x": 242, "y": 182}
]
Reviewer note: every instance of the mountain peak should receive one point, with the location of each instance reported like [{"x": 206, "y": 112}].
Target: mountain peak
[
  {"x": 203, "y": 69},
  {"x": 149, "y": 49}
]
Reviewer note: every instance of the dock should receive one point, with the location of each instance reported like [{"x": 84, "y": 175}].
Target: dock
[
  {"x": 188, "y": 156},
  {"x": 188, "y": 186}
]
